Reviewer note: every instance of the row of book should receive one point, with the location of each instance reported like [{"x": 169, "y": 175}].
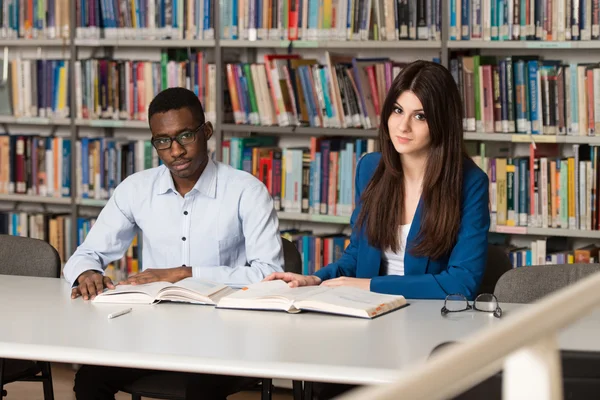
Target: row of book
[
  {"x": 35, "y": 165},
  {"x": 56, "y": 229},
  {"x": 52, "y": 228},
  {"x": 288, "y": 90},
  {"x": 527, "y": 95},
  {"x": 331, "y": 19},
  {"x": 318, "y": 179},
  {"x": 41, "y": 165},
  {"x": 35, "y": 88},
  {"x": 104, "y": 88},
  {"x": 35, "y": 19},
  {"x": 552, "y": 20},
  {"x": 544, "y": 190},
  {"x": 550, "y": 251},
  {"x": 123, "y": 89},
  {"x": 146, "y": 19},
  {"x": 316, "y": 251}
]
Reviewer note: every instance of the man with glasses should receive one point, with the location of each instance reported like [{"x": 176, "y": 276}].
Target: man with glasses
[{"x": 198, "y": 218}]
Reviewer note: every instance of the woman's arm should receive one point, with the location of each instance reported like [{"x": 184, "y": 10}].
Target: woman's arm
[{"x": 466, "y": 264}]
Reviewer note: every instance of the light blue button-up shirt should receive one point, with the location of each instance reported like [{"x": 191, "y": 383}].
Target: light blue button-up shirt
[{"x": 225, "y": 228}]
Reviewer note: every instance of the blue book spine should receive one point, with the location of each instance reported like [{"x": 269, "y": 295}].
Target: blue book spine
[
  {"x": 174, "y": 18},
  {"x": 66, "y": 168},
  {"x": 247, "y": 159},
  {"x": 494, "y": 19},
  {"x": 80, "y": 222},
  {"x": 465, "y": 20},
  {"x": 454, "y": 34},
  {"x": 521, "y": 107},
  {"x": 523, "y": 197},
  {"x": 313, "y": 23},
  {"x": 242, "y": 89},
  {"x": 234, "y": 20},
  {"x": 207, "y": 14},
  {"x": 15, "y": 224},
  {"x": 308, "y": 97},
  {"x": 316, "y": 189},
  {"x": 533, "y": 97},
  {"x": 56, "y": 66},
  {"x": 305, "y": 255},
  {"x": 324, "y": 88},
  {"x": 259, "y": 12}
]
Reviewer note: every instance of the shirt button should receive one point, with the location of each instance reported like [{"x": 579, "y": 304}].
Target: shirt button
[
  {"x": 185, "y": 213},
  {"x": 183, "y": 238}
]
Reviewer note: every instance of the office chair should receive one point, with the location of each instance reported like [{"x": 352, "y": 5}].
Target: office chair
[
  {"x": 27, "y": 257},
  {"x": 528, "y": 284}
]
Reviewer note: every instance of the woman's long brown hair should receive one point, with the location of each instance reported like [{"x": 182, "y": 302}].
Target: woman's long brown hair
[{"x": 383, "y": 199}]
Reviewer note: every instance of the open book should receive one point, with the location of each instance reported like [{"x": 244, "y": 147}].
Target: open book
[
  {"x": 277, "y": 295},
  {"x": 188, "y": 290}
]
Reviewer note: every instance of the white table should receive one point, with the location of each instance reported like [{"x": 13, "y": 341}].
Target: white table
[{"x": 40, "y": 321}]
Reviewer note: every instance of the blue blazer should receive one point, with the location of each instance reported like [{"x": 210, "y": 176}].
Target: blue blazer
[{"x": 459, "y": 271}]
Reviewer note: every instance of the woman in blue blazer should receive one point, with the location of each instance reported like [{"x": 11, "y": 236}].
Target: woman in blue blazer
[{"x": 421, "y": 220}]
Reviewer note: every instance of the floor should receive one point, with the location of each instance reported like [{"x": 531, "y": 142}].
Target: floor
[{"x": 63, "y": 375}]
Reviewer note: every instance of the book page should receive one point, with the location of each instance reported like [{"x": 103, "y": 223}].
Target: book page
[
  {"x": 151, "y": 289},
  {"x": 278, "y": 288},
  {"x": 352, "y": 301},
  {"x": 199, "y": 286},
  {"x": 269, "y": 295},
  {"x": 142, "y": 294}
]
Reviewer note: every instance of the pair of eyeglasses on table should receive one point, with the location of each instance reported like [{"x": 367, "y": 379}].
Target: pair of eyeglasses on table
[{"x": 485, "y": 302}]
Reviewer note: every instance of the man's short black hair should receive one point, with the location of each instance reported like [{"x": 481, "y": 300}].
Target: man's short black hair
[{"x": 175, "y": 99}]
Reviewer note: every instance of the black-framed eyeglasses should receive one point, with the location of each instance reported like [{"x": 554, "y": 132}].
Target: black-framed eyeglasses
[
  {"x": 184, "y": 138},
  {"x": 485, "y": 302}
]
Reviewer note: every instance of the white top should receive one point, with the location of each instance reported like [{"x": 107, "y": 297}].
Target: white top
[
  {"x": 45, "y": 324},
  {"x": 225, "y": 228},
  {"x": 394, "y": 262}
]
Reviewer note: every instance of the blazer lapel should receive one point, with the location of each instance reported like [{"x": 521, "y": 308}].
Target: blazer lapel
[{"x": 414, "y": 265}]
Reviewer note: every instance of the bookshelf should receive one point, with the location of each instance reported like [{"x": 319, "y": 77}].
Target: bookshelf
[{"x": 442, "y": 48}]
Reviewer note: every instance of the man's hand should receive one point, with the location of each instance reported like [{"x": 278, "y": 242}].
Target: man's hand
[
  {"x": 294, "y": 280},
  {"x": 361, "y": 283},
  {"x": 91, "y": 283},
  {"x": 159, "y": 275}
]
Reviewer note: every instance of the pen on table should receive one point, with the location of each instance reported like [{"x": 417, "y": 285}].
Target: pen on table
[{"x": 119, "y": 313}]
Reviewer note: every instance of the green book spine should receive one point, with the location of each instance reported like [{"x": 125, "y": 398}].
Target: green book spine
[
  {"x": 251, "y": 94},
  {"x": 163, "y": 70}
]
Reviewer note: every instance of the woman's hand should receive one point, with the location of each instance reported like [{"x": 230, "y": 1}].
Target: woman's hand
[{"x": 294, "y": 280}]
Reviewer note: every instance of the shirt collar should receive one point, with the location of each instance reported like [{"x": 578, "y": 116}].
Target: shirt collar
[{"x": 206, "y": 184}]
